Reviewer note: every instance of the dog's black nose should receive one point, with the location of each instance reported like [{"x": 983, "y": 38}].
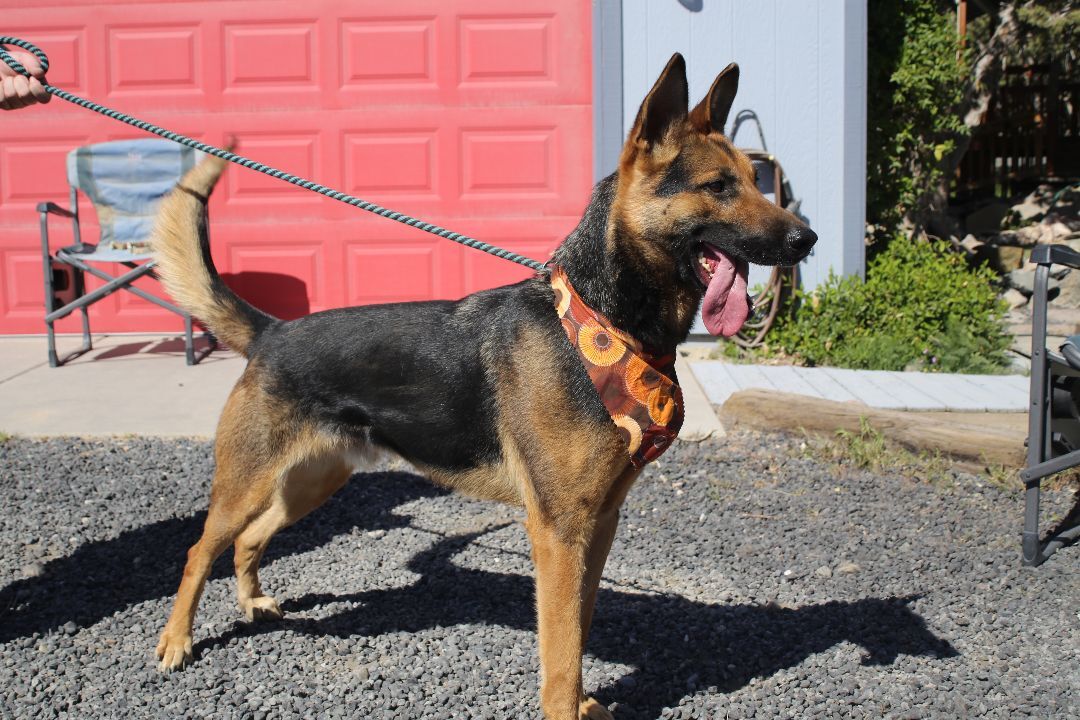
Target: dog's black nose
[{"x": 800, "y": 239}]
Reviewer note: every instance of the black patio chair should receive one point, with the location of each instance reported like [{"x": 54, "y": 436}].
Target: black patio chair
[
  {"x": 125, "y": 180},
  {"x": 1054, "y": 413}
]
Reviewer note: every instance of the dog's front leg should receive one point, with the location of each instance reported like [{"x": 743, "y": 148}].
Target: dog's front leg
[
  {"x": 560, "y": 571},
  {"x": 595, "y": 557}
]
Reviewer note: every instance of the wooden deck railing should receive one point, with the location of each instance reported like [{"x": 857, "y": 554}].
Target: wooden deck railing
[{"x": 1031, "y": 133}]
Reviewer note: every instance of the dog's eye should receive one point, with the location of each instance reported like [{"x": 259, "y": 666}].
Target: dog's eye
[{"x": 716, "y": 187}]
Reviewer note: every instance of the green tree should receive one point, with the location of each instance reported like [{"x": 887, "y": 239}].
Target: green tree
[{"x": 916, "y": 75}]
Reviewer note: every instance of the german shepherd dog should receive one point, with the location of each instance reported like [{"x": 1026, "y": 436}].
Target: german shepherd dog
[{"x": 485, "y": 395}]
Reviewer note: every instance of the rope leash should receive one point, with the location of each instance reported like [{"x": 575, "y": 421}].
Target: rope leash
[{"x": 252, "y": 164}]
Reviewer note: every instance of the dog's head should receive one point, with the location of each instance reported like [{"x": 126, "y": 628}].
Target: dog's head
[{"x": 687, "y": 199}]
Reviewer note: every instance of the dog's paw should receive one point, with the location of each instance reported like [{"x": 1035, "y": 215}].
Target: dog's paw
[
  {"x": 173, "y": 650},
  {"x": 261, "y": 608},
  {"x": 590, "y": 709}
]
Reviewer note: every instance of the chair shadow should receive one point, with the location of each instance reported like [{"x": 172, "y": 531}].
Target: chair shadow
[
  {"x": 165, "y": 346},
  {"x": 175, "y": 345},
  {"x": 676, "y": 645},
  {"x": 132, "y": 348}
]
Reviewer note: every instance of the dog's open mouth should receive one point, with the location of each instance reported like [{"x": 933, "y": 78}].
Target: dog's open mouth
[{"x": 726, "y": 305}]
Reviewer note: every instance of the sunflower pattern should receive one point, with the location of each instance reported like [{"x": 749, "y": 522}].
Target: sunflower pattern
[{"x": 639, "y": 389}]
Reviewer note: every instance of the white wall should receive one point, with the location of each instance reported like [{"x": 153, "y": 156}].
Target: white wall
[{"x": 803, "y": 71}]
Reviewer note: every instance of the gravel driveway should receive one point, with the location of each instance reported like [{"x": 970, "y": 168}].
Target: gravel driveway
[{"x": 746, "y": 581}]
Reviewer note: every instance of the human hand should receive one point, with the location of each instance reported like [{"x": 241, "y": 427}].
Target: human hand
[{"x": 17, "y": 90}]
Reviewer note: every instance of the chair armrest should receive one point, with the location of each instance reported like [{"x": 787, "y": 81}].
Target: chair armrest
[
  {"x": 54, "y": 209},
  {"x": 1055, "y": 255}
]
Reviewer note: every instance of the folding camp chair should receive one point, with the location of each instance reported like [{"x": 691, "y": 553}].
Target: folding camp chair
[
  {"x": 125, "y": 181},
  {"x": 1054, "y": 413}
]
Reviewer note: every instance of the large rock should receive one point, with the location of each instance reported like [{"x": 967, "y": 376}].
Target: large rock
[
  {"x": 1024, "y": 281},
  {"x": 1069, "y": 295},
  {"x": 971, "y": 244},
  {"x": 1004, "y": 259},
  {"x": 1055, "y": 233},
  {"x": 1014, "y": 298},
  {"x": 1035, "y": 205},
  {"x": 1029, "y": 210},
  {"x": 1030, "y": 235}
]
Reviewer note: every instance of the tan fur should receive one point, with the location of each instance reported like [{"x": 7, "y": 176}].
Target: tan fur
[
  {"x": 179, "y": 260},
  {"x": 503, "y": 482}
]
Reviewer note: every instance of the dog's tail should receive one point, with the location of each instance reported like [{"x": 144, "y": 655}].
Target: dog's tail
[{"x": 181, "y": 245}]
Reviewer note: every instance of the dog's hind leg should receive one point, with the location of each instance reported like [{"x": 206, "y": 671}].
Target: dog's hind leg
[
  {"x": 305, "y": 487},
  {"x": 244, "y": 486},
  {"x": 226, "y": 519}
]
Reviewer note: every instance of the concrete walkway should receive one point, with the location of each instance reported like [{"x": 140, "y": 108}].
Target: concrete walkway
[
  {"x": 139, "y": 384},
  {"x": 128, "y": 384},
  {"x": 941, "y": 392}
]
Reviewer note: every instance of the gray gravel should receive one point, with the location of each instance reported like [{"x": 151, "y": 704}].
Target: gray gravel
[{"x": 746, "y": 581}]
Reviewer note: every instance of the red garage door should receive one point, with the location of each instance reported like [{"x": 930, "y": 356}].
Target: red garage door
[{"x": 473, "y": 114}]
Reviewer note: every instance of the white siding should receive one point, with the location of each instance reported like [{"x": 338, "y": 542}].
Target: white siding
[{"x": 803, "y": 71}]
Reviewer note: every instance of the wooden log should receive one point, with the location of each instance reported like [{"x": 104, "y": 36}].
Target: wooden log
[{"x": 929, "y": 431}]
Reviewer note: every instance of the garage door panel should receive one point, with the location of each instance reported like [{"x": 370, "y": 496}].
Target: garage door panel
[
  {"x": 293, "y": 143},
  {"x": 516, "y": 49},
  {"x": 393, "y": 162},
  {"x": 516, "y": 162},
  {"x": 531, "y": 49},
  {"x": 390, "y": 54},
  {"x": 152, "y": 60},
  {"x": 32, "y": 171},
  {"x": 255, "y": 54},
  {"x": 308, "y": 253},
  {"x": 535, "y": 239},
  {"x": 390, "y": 262},
  {"x": 415, "y": 265},
  {"x": 23, "y": 292}
]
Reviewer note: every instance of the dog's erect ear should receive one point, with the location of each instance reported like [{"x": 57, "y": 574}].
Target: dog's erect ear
[
  {"x": 665, "y": 104},
  {"x": 711, "y": 113}
]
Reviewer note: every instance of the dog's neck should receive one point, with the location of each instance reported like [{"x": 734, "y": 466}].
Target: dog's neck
[{"x": 602, "y": 267}]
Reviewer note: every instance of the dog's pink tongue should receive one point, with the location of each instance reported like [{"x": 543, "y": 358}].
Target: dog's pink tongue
[{"x": 726, "y": 305}]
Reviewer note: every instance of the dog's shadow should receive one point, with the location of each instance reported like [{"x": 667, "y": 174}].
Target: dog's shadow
[
  {"x": 146, "y": 563},
  {"x": 675, "y": 645}
]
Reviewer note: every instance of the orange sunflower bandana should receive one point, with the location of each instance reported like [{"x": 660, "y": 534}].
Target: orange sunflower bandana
[{"x": 639, "y": 390}]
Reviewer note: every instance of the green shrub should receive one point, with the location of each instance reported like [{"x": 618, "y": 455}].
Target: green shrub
[
  {"x": 916, "y": 76},
  {"x": 921, "y": 307}
]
